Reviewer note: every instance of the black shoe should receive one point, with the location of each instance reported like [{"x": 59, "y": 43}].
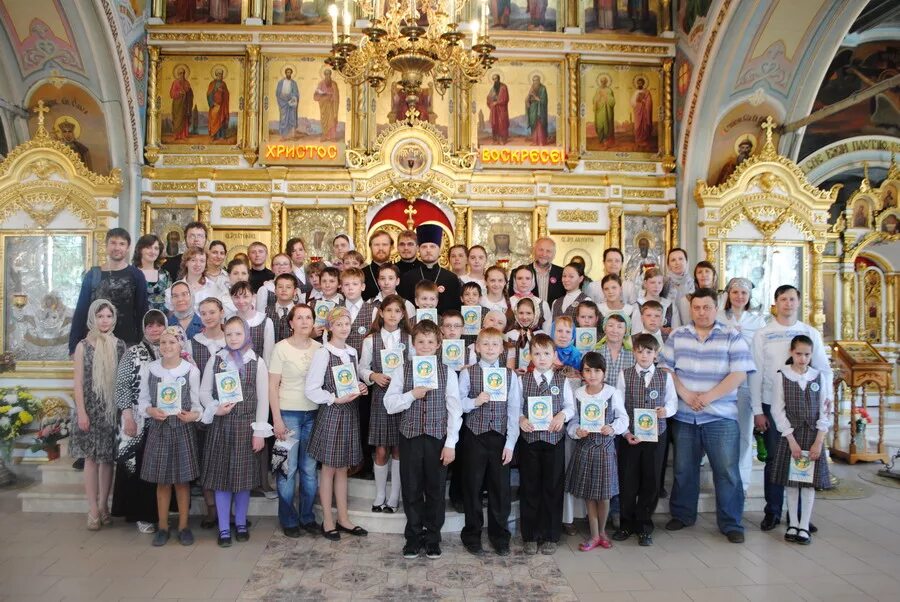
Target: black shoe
[
  {"x": 458, "y": 506},
  {"x": 433, "y": 551},
  {"x": 502, "y": 550},
  {"x": 803, "y": 538},
  {"x": 675, "y": 524},
  {"x": 663, "y": 493},
  {"x": 769, "y": 522},
  {"x": 312, "y": 528},
  {"x": 388, "y": 509},
  {"x": 790, "y": 534},
  {"x": 292, "y": 532},
  {"x": 645, "y": 539},
  {"x": 78, "y": 464},
  {"x": 224, "y": 539},
  {"x": 621, "y": 535},
  {"x": 735, "y": 536},
  {"x": 332, "y": 535},
  {"x": 474, "y": 550},
  {"x": 411, "y": 551},
  {"x": 242, "y": 534},
  {"x": 376, "y": 507},
  {"x": 357, "y": 530},
  {"x": 813, "y": 528}
]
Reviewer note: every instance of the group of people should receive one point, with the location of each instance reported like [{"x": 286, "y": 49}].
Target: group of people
[{"x": 224, "y": 375}]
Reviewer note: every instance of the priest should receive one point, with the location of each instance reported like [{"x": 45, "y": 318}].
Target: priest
[
  {"x": 380, "y": 246},
  {"x": 407, "y": 248},
  {"x": 429, "y": 238}
]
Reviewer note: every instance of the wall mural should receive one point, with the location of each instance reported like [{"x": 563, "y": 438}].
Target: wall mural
[
  {"x": 737, "y": 137},
  {"x": 390, "y": 107},
  {"x": 531, "y": 15},
  {"x": 40, "y": 34},
  {"x": 203, "y": 11},
  {"x": 621, "y": 16}
]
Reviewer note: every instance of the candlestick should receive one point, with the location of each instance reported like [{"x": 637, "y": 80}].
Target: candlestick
[
  {"x": 347, "y": 18},
  {"x": 333, "y": 12},
  {"x": 474, "y": 25}
]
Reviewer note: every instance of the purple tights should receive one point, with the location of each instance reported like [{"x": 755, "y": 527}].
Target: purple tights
[{"x": 223, "y": 508}]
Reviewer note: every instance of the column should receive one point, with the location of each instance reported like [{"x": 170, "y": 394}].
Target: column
[
  {"x": 275, "y": 208},
  {"x": 359, "y": 225},
  {"x": 151, "y": 151},
  {"x": 251, "y": 107},
  {"x": 615, "y": 227},
  {"x": 668, "y": 161},
  {"x": 460, "y": 225},
  {"x": 572, "y": 153},
  {"x": 847, "y": 322},
  {"x": 818, "y": 286}
]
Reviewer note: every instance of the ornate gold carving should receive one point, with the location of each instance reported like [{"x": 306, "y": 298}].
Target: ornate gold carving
[
  {"x": 319, "y": 187},
  {"x": 622, "y": 48},
  {"x": 275, "y": 208},
  {"x": 322, "y": 39},
  {"x": 711, "y": 247},
  {"x": 243, "y": 186},
  {"x": 615, "y": 227},
  {"x": 204, "y": 210},
  {"x": 766, "y": 227},
  {"x": 648, "y": 193},
  {"x": 540, "y": 216},
  {"x": 459, "y": 223},
  {"x": 175, "y": 186},
  {"x": 151, "y": 150},
  {"x": 572, "y": 152},
  {"x": 580, "y": 216},
  {"x": 198, "y": 36},
  {"x": 214, "y": 160},
  {"x": 251, "y": 110},
  {"x": 668, "y": 158},
  {"x": 673, "y": 227},
  {"x": 818, "y": 286},
  {"x": 242, "y": 212},
  {"x": 564, "y": 191},
  {"x": 891, "y": 325},
  {"x": 847, "y": 327},
  {"x": 491, "y": 189},
  {"x": 359, "y": 225},
  {"x": 620, "y": 166},
  {"x": 524, "y": 43}
]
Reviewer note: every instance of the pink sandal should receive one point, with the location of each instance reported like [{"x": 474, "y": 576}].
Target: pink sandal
[
  {"x": 605, "y": 543},
  {"x": 590, "y": 544}
]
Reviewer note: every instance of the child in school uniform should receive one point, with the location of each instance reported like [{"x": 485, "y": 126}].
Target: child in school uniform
[
  {"x": 352, "y": 260},
  {"x": 262, "y": 330},
  {"x": 451, "y": 329},
  {"x": 568, "y": 361},
  {"x": 492, "y": 319},
  {"x": 802, "y": 414},
  {"x": 285, "y": 293},
  {"x": 429, "y": 427},
  {"x": 588, "y": 316},
  {"x": 592, "y": 474},
  {"x": 471, "y": 296},
  {"x": 522, "y": 285},
  {"x": 389, "y": 331},
  {"x": 314, "y": 272},
  {"x": 492, "y": 428},
  {"x": 651, "y": 320},
  {"x": 426, "y": 297},
  {"x": 652, "y": 291},
  {"x": 388, "y": 280},
  {"x": 495, "y": 297},
  {"x": 572, "y": 279},
  {"x": 353, "y": 283},
  {"x": 614, "y": 305},
  {"x": 230, "y": 467},
  {"x": 237, "y": 272},
  {"x": 640, "y": 462},
  {"x": 335, "y": 440},
  {"x": 329, "y": 291},
  {"x": 170, "y": 451},
  {"x": 542, "y": 453},
  {"x": 265, "y": 296},
  {"x": 519, "y": 337}
]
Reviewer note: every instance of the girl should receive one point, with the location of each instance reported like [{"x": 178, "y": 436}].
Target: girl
[
  {"x": 588, "y": 316},
  {"x": 293, "y": 416},
  {"x": 183, "y": 313},
  {"x": 134, "y": 498},
  {"x": 612, "y": 292},
  {"x": 477, "y": 259},
  {"x": 652, "y": 289},
  {"x": 458, "y": 257},
  {"x": 265, "y": 296},
  {"x": 170, "y": 453},
  {"x": 94, "y": 440},
  {"x": 568, "y": 358},
  {"x": 296, "y": 250},
  {"x": 593, "y": 474},
  {"x": 148, "y": 257},
  {"x": 262, "y": 331},
  {"x": 315, "y": 271},
  {"x": 335, "y": 441},
  {"x": 802, "y": 415},
  {"x": 390, "y": 330},
  {"x": 523, "y": 283},
  {"x": 237, "y": 272},
  {"x": 495, "y": 298},
  {"x": 678, "y": 280},
  {"x": 238, "y": 429},
  {"x": 339, "y": 246},
  {"x": 216, "y": 254},
  {"x": 736, "y": 314},
  {"x": 572, "y": 279},
  {"x": 520, "y": 335},
  {"x": 705, "y": 276},
  {"x": 193, "y": 267}
]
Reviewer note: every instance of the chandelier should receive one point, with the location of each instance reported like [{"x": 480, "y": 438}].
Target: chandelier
[{"x": 414, "y": 40}]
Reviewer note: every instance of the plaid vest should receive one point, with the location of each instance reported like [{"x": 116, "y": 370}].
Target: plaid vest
[
  {"x": 153, "y": 386},
  {"x": 613, "y": 367},
  {"x": 426, "y": 416},
  {"x": 246, "y": 409},
  {"x": 258, "y": 337},
  {"x": 335, "y": 360},
  {"x": 802, "y": 405},
  {"x": 531, "y": 389},
  {"x": 378, "y": 346},
  {"x": 281, "y": 324},
  {"x": 362, "y": 322},
  {"x": 639, "y": 396},
  {"x": 201, "y": 354},
  {"x": 492, "y": 415},
  {"x": 571, "y": 311}
]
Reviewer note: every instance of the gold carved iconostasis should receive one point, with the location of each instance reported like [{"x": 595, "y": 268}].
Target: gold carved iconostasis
[{"x": 567, "y": 134}]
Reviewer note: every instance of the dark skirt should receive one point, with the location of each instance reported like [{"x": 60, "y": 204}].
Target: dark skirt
[
  {"x": 170, "y": 453},
  {"x": 335, "y": 438},
  {"x": 805, "y": 437},
  {"x": 229, "y": 463},
  {"x": 593, "y": 473},
  {"x": 134, "y": 498},
  {"x": 384, "y": 428}
]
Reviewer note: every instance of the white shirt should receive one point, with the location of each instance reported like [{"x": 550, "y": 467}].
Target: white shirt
[
  {"x": 513, "y": 401},
  {"x": 595, "y": 291},
  {"x": 200, "y": 295},
  {"x": 568, "y": 397},
  {"x": 185, "y": 370},
  {"x": 213, "y": 345},
  {"x": 779, "y": 413},
  {"x": 636, "y": 324},
  {"x": 262, "y": 388},
  {"x": 397, "y": 400},
  {"x": 268, "y": 333},
  {"x": 315, "y": 378},
  {"x": 354, "y": 306},
  {"x": 612, "y": 397},
  {"x": 300, "y": 273},
  {"x": 501, "y": 305},
  {"x": 410, "y": 308},
  {"x": 569, "y": 298},
  {"x": 390, "y": 340},
  {"x": 671, "y": 398}
]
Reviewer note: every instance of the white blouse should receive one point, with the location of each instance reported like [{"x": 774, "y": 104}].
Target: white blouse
[
  {"x": 779, "y": 414},
  {"x": 390, "y": 340},
  {"x": 315, "y": 378},
  {"x": 207, "y": 384},
  {"x": 183, "y": 370},
  {"x": 611, "y": 396}
]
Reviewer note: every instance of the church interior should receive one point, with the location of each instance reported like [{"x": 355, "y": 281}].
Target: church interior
[{"x": 761, "y": 136}]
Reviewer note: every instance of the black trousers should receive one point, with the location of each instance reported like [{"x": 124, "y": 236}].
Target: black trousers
[
  {"x": 482, "y": 457},
  {"x": 423, "y": 478},
  {"x": 542, "y": 470},
  {"x": 457, "y": 468},
  {"x": 639, "y": 469},
  {"x": 670, "y": 442}
]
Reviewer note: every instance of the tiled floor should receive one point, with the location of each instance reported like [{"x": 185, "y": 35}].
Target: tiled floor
[{"x": 856, "y": 556}]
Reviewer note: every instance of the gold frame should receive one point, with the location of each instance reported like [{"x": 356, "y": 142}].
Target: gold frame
[
  {"x": 264, "y": 231},
  {"x": 663, "y": 22},
  {"x": 287, "y": 209},
  {"x": 147, "y": 206},
  {"x": 598, "y": 237},
  {"x": 667, "y": 216},
  {"x": 158, "y": 9},
  {"x": 804, "y": 285}
]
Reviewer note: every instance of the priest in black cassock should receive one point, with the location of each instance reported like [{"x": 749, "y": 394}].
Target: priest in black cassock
[
  {"x": 407, "y": 247},
  {"x": 429, "y": 239},
  {"x": 380, "y": 246}
]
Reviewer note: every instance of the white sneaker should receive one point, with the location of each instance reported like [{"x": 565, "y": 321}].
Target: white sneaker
[{"x": 145, "y": 527}]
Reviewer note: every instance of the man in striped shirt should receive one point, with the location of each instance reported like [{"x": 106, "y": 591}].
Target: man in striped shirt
[{"x": 708, "y": 362}]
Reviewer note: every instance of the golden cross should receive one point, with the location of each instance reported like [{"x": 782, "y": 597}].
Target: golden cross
[
  {"x": 769, "y": 125},
  {"x": 40, "y": 110},
  {"x": 410, "y": 212}
]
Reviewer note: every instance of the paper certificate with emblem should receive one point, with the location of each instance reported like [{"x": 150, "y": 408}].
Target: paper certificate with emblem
[
  {"x": 524, "y": 357},
  {"x": 323, "y": 308},
  {"x": 425, "y": 373},
  {"x": 540, "y": 412},
  {"x": 427, "y": 314},
  {"x": 345, "y": 382},
  {"x": 168, "y": 397},
  {"x": 493, "y": 382},
  {"x": 802, "y": 469},
  {"x": 228, "y": 386},
  {"x": 585, "y": 339},
  {"x": 593, "y": 415},
  {"x": 453, "y": 353},
  {"x": 391, "y": 360},
  {"x": 646, "y": 425},
  {"x": 471, "y": 319}
]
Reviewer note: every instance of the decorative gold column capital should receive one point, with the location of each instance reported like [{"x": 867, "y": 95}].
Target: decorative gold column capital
[
  {"x": 540, "y": 215},
  {"x": 818, "y": 286},
  {"x": 674, "y": 239},
  {"x": 711, "y": 247},
  {"x": 615, "y": 227},
  {"x": 251, "y": 107},
  {"x": 204, "y": 209},
  {"x": 572, "y": 154},
  {"x": 151, "y": 150},
  {"x": 460, "y": 224},
  {"x": 668, "y": 160}
]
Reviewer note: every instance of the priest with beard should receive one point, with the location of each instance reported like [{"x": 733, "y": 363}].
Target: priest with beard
[
  {"x": 380, "y": 246},
  {"x": 449, "y": 289},
  {"x": 407, "y": 247}
]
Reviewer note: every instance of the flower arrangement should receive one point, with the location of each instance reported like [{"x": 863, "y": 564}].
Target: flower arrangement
[
  {"x": 862, "y": 418},
  {"x": 18, "y": 408}
]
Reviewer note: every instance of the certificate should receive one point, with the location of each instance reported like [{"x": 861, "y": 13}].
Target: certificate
[
  {"x": 228, "y": 386},
  {"x": 391, "y": 359},
  {"x": 425, "y": 373},
  {"x": 345, "y": 382},
  {"x": 493, "y": 382},
  {"x": 593, "y": 415},
  {"x": 524, "y": 357},
  {"x": 323, "y": 308},
  {"x": 540, "y": 412},
  {"x": 471, "y": 319},
  {"x": 427, "y": 314},
  {"x": 585, "y": 339},
  {"x": 802, "y": 469},
  {"x": 168, "y": 397},
  {"x": 646, "y": 425},
  {"x": 453, "y": 353}
]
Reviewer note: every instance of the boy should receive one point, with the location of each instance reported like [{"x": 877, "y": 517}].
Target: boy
[
  {"x": 353, "y": 259},
  {"x": 542, "y": 456},
  {"x": 353, "y": 283},
  {"x": 640, "y": 462},
  {"x": 451, "y": 328},
  {"x": 426, "y": 297},
  {"x": 492, "y": 428},
  {"x": 471, "y": 295},
  {"x": 314, "y": 271},
  {"x": 329, "y": 280},
  {"x": 296, "y": 250},
  {"x": 388, "y": 279},
  {"x": 285, "y": 289},
  {"x": 429, "y": 428},
  {"x": 651, "y": 320}
]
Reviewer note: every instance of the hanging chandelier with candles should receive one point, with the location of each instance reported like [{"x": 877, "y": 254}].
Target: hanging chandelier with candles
[{"x": 414, "y": 40}]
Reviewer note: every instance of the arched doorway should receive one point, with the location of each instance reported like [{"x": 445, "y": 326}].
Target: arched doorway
[{"x": 399, "y": 215}]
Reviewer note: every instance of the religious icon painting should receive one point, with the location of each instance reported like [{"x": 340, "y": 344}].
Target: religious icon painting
[
  {"x": 517, "y": 106},
  {"x": 304, "y": 112},
  {"x": 168, "y": 222},
  {"x": 298, "y": 12},
  {"x": 224, "y": 12},
  {"x": 522, "y": 15},
  {"x": 621, "y": 110},
  {"x": 200, "y": 101},
  {"x": 317, "y": 227},
  {"x": 640, "y": 17},
  {"x": 644, "y": 244},
  {"x": 506, "y": 236},
  {"x": 392, "y": 106}
]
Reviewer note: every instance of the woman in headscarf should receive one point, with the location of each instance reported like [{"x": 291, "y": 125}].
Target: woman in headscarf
[
  {"x": 183, "y": 313},
  {"x": 94, "y": 439},
  {"x": 133, "y": 498}
]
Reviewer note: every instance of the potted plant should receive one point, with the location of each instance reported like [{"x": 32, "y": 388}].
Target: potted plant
[{"x": 18, "y": 408}]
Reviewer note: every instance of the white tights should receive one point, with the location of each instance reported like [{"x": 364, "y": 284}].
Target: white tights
[{"x": 800, "y": 499}]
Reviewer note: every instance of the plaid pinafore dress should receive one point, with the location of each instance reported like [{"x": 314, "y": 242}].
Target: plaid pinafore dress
[
  {"x": 802, "y": 409},
  {"x": 593, "y": 472},
  {"x": 384, "y": 428},
  {"x": 170, "y": 452},
  {"x": 335, "y": 438}
]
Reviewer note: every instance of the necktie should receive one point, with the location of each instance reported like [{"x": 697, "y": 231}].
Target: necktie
[
  {"x": 283, "y": 312},
  {"x": 644, "y": 374},
  {"x": 542, "y": 385}
]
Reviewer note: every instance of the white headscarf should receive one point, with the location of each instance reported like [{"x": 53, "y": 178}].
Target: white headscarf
[{"x": 106, "y": 358}]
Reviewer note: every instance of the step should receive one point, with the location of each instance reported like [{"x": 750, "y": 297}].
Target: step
[{"x": 60, "y": 472}]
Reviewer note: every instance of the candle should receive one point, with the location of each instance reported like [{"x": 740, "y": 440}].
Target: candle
[
  {"x": 474, "y": 25},
  {"x": 376, "y": 8},
  {"x": 347, "y": 18},
  {"x": 412, "y": 10},
  {"x": 453, "y": 11},
  {"x": 484, "y": 16},
  {"x": 332, "y": 12}
]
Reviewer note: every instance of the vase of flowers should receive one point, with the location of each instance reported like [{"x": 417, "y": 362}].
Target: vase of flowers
[
  {"x": 862, "y": 419},
  {"x": 18, "y": 408}
]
